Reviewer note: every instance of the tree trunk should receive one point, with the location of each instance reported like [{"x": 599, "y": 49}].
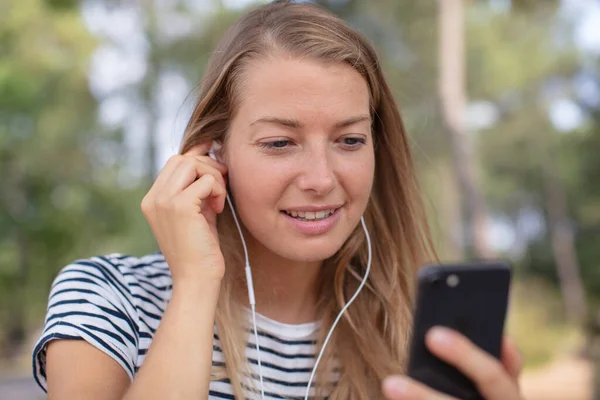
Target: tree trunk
[
  {"x": 452, "y": 88},
  {"x": 563, "y": 244},
  {"x": 451, "y": 215}
]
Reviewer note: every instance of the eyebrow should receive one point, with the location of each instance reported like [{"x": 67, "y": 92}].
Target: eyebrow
[{"x": 295, "y": 124}]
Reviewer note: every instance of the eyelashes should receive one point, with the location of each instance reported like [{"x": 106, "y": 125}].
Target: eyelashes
[
  {"x": 348, "y": 143},
  {"x": 354, "y": 141},
  {"x": 275, "y": 144}
]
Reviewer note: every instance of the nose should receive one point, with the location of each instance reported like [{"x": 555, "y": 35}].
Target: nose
[{"x": 317, "y": 172}]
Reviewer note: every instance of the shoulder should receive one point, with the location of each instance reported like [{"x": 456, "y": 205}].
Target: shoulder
[
  {"x": 117, "y": 270},
  {"x": 125, "y": 281},
  {"x": 152, "y": 267},
  {"x": 118, "y": 279},
  {"x": 150, "y": 263}
]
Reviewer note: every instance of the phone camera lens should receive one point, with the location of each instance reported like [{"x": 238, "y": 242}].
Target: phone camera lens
[{"x": 452, "y": 280}]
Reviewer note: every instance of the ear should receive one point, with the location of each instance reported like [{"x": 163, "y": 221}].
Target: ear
[{"x": 215, "y": 151}]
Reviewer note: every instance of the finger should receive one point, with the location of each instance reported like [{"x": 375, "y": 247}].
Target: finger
[
  {"x": 166, "y": 174},
  {"x": 221, "y": 176},
  {"x": 188, "y": 171},
  {"x": 511, "y": 358},
  {"x": 162, "y": 178},
  {"x": 404, "y": 388},
  {"x": 222, "y": 168},
  {"x": 197, "y": 194},
  {"x": 484, "y": 370},
  {"x": 200, "y": 149},
  {"x": 167, "y": 170}
]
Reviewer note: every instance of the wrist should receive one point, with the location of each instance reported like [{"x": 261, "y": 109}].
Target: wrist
[{"x": 198, "y": 287}]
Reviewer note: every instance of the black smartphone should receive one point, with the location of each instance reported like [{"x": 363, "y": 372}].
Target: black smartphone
[{"x": 470, "y": 298}]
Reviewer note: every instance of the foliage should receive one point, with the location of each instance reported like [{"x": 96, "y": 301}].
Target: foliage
[
  {"x": 63, "y": 193},
  {"x": 536, "y": 322},
  {"x": 56, "y": 201}
]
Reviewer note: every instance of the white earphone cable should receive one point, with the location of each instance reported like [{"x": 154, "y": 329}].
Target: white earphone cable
[
  {"x": 362, "y": 283},
  {"x": 251, "y": 298}
]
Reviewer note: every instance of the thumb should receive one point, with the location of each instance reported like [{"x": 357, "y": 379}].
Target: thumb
[{"x": 511, "y": 358}]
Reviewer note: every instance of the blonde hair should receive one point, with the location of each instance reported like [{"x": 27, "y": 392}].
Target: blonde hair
[{"x": 370, "y": 342}]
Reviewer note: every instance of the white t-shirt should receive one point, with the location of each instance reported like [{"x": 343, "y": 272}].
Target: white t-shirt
[{"x": 116, "y": 302}]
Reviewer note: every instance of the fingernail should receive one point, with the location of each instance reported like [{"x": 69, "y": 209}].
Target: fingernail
[
  {"x": 441, "y": 335},
  {"x": 395, "y": 386}
]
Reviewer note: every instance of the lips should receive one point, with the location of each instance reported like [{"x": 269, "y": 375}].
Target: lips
[
  {"x": 313, "y": 220},
  {"x": 310, "y": 215}
]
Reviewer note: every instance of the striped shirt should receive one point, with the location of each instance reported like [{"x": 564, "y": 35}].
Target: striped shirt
[{"x": 116, "y": 302}]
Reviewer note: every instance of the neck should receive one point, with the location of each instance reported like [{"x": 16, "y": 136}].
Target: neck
[{"x": 285, "y": 291}]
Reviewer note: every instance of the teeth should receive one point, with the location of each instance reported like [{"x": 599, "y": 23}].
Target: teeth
[{"x": 310, "y": 215}]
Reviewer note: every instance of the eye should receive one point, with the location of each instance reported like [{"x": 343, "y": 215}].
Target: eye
[
  {"x": 353, "y": 142},
  {"x": 279, "y": 144},
  {"x": 275, "y": 144}
]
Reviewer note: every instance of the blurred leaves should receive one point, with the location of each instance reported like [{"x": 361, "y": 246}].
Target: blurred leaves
[
  {"x": 62, "y": 197},
  {"x": 52, "y": 207},
  {"x": 61, "y": 5}
]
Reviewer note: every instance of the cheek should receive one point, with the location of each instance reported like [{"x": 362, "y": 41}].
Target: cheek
[
  {"x": 358, "y": 180},
  {"x": 257, "y": 184}
]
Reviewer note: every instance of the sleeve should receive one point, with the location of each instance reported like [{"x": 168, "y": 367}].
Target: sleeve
[{"x": 89, "y": 300}]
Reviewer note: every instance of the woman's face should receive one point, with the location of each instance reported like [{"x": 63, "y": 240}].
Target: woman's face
[{"x": 300, "y": 156}]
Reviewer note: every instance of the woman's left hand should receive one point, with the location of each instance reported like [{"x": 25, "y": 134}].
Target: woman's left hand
[{"x": 495, "y": 380}]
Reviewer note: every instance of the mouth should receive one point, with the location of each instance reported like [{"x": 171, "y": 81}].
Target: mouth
[{"x": 309, "y": 216}]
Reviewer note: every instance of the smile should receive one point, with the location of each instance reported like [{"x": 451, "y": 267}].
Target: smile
[
  {"x": 314, "y": 220},
  {"x": 310, "y": 215}
]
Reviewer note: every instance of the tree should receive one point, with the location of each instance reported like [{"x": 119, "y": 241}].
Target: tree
[
  {"x": 453, "y": 98},
  {"x": 523, "y": 151},
  {"x": 56, "y": 197}
]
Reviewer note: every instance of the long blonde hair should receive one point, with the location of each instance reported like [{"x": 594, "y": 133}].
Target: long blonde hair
[{"x": 370, "y": 342}]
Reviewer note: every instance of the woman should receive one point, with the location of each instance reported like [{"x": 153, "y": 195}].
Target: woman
[{"x": 307, "y": 139}]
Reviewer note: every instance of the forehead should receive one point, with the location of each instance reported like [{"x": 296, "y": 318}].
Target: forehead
[{"x": 306, "y": 89}]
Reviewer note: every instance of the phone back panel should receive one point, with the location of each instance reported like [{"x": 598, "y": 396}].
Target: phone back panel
[{"x": 469, "y": 298}]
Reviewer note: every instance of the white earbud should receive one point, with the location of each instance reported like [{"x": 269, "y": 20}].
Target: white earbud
[{"x": 214, "y": 148}]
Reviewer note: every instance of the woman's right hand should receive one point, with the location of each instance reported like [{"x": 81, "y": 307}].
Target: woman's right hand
[{"x": 181, "y": 208}]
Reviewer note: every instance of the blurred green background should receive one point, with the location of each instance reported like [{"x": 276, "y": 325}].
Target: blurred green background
[{"x": 500, "y": 97}]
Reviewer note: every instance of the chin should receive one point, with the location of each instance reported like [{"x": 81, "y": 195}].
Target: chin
[{"x": 308, "y": 252}]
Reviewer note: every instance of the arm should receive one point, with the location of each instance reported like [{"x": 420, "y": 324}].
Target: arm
[
  {"x": 77, "y": 370},
  {"x": 181, "y": 208},
  {"x": 177, "y": 365},
  {"x": 179, "y": 362}
]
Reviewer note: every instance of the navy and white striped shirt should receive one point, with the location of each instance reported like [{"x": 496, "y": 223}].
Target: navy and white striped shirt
[{"x": 116, "y": 302}]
